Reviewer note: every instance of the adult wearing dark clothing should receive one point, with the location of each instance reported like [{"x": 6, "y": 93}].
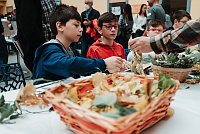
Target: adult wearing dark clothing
[
  {"x": 3, "y": 46},
  {"x": 125, "y": 26},
  {"x": 29, "y": 24},
  {"x": 88, "y": 15}
]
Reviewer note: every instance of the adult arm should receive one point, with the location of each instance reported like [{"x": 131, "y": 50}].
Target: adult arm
[{"x": 187, "y": 35}]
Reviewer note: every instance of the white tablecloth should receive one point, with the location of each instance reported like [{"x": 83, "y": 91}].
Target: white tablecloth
[{"x": 186, "y": 119}]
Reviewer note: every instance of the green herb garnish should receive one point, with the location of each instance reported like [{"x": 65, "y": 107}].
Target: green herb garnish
[{"x": 7, "y": 110}]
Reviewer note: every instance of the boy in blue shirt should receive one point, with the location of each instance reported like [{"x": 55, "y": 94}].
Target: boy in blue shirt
[{"x": 56, "y": 60}]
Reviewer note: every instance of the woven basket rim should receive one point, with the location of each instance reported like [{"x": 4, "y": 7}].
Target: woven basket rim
[
  {"x": 48, "y": 94},
  {"x": 168, "y": 68},
  {"x": 115, "y": 124}
]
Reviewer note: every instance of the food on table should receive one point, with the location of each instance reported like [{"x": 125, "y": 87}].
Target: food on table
[
  {"x": 137, "y": 63},
  {"x": 27, "y": 96},
  {"x": 109, "y": 95}
]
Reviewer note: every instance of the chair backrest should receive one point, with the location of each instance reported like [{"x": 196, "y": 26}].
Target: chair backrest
[
  {"x": 12, "y": 77},
  {"x": 18, "y": 47}
]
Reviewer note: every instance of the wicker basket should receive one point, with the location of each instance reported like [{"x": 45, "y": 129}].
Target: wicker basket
[
  {"x": 180, "y": 74},
  {"x": 84, "y": 121}
]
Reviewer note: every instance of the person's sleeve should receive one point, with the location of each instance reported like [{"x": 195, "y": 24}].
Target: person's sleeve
[
  {"x": 151, "y": 14},
  {"x": 82, "y": 18},
  {"x": 97, "y": 15},
  {"x": 1, "y": 27},
  {"x": 135, "y": 22},
  {"x": 130, "y": 56},
  {"x": 185, "y": 36},
  {"x": 58, "y": 63},
  {"x": 120, "y": 20}
]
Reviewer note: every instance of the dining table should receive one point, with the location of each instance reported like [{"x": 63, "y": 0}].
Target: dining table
[{"x": 34, "y": 120}]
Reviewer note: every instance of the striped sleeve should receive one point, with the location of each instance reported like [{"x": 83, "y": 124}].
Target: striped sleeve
[{"x": 187, "y": 35}]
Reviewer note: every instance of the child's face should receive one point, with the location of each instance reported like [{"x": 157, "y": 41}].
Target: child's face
[
  {"x": 180, "y": 23},
  {"x": 153, "y": 31},
  {"x": 71, "y": 30},
  {"x": 109, "y": 30}
]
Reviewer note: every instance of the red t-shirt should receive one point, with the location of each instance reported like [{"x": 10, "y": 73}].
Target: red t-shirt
[{"x": 99, "y": 50}]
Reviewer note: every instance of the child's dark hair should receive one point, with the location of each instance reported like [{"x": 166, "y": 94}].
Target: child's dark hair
[
  {"x": 107, "y": 17},
  {"x": 180, "y": 14},
  {"x": 154, "y": 23},
  {"x": 62, "y": 13}
]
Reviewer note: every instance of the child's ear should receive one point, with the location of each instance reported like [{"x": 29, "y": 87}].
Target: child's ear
[
  {"x": 59, "y": 26},
  {"x": 100, "y": 30},
  {"x": 176, "y": 23}
]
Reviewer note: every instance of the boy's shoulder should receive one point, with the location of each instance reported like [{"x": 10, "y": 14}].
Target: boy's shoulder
[
  {"x": 48, "y": 46},
  {"x": 51, "y": 43}
]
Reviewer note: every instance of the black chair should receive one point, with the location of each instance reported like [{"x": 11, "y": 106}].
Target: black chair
[
  {"x": 12, "y": 77},
  {"x": 19, "y": 50}
]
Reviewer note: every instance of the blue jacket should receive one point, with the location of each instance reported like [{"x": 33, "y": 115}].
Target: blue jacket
[{"x": 52, "y": 63}]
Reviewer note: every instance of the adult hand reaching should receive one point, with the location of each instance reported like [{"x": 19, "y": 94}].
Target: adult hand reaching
[
  {"x": 114, "y": 64},
  {"x": 140, "y": 44}
]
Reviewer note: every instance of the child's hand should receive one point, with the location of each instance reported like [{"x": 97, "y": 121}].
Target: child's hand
[
  {"x": 114, "y": 64},
  {"x": 126, "y": 65}
]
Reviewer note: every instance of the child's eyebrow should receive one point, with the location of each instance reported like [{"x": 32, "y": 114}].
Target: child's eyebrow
[{"x": 77, "y": 21}]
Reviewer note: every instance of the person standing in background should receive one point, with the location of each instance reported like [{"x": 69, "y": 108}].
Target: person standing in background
[
  {"x": 47, "y": 7},
  {"x": 13, "y": 18},
  {"x": 125, "y": 26},
  {"x": 156, "y": 11},
  {"x": 140, "y": 21},
  {"x": 87, "y": 16},
  {"x": 3, "y": 46},
  {"x": 167, "y": 8},
  {"x": 30, "y": 16}
]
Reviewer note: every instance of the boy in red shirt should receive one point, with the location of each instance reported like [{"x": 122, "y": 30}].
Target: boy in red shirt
[{"x": 107, "y": 47}]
